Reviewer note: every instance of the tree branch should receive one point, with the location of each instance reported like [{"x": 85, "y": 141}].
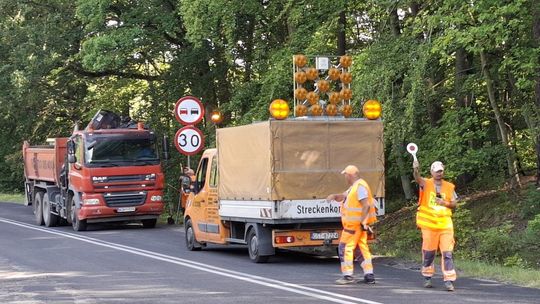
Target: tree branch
[{"x": 77, "y": 68}]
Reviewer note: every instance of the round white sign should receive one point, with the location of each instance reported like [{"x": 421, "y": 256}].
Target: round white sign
[
  {"x": 413, "y": 149},
  {"x": 189, "y": 140},
  {"x": 189, "y": 110}
]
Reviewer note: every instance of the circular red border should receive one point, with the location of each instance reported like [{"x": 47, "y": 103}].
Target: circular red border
[
  {"x": 178, "y": 117},
  {"x": 178, "y": 146}
]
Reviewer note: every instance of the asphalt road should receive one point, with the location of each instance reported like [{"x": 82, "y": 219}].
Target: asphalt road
[{"x": 129, "y": 264}]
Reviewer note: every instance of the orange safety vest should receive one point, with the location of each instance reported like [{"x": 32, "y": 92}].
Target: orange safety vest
[
  {"x": 351, "y": 208},
  {"x": 430, "y": 215}
]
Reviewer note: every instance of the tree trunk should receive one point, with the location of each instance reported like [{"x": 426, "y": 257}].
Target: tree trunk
[
  {"x": 536, "y": 36},
  {"x": 405, "y": 179},
  {"x": 434, "y": 106},
  {"x": 415, "y": 8},
  {"x": 394, "y": 23},
  {"x": 248, "y": 52},
  {"x": 397, "y": 139},
  {"x": 341, "y": 38},
  {"x": 461, "y": 67},
  {"x": 510, "y": 158}
]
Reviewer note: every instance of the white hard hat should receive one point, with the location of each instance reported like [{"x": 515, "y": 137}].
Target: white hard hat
[{"x": 437, "y": 166}]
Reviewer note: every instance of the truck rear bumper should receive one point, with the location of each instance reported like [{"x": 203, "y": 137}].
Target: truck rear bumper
[
  {"x": 95, "y": 214},
  {"x": 305, "y": 237}
]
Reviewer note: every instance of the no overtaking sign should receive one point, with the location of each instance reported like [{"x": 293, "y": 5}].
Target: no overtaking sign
[{"x": 189, "y": 110}]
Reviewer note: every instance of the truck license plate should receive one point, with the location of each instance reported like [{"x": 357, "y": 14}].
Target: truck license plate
[
  {"x": 326, "y": 235},
  {"x": 125, "y": 209}
]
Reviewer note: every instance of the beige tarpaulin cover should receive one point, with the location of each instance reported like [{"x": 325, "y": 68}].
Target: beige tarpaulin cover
[{"x": 298, "y": 159}]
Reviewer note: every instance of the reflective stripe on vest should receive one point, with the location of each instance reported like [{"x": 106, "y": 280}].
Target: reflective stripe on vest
[
  {"x": 430, "y": 215},
  {"x": 351, "y": 210}
]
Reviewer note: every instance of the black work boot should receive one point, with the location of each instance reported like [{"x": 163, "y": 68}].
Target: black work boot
[{"x": 369, "y": 278}]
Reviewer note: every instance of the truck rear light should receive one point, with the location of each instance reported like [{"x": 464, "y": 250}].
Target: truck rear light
[
  {"x": 90, "y": 201},
  {"x": 284, "y": 239}
]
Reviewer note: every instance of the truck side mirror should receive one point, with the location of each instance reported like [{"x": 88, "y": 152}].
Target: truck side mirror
[
  {"x": 70, "y": 147},
  {"x": 165, "y": 145},
  {"x": 72, "y": 158}
]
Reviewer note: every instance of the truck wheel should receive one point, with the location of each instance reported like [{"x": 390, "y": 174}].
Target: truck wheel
[
  {"x": 253, "y": 248},
  {"x": 78, "y": 225},
  {"x": 149, "y": 223},
  {"x": 191, "y": 242},
  {"x": 49, "y": 218},
  {"x": 38, "y": 208}
]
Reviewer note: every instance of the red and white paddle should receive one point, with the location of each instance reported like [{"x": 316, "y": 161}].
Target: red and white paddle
[{"x": 413, "y": 149}]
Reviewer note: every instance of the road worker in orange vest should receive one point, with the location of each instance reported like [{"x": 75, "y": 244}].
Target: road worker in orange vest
[
  {"x": 437, "y": 199},
  {"x": 357, "y": 213}
]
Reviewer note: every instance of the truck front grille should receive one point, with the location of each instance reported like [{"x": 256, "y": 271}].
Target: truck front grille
[
  {"x": 124, "y": 199},
  {"x": 123, "y": 178}
]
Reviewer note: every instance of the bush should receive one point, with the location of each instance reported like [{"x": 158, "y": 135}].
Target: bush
[
  {"x": 531, "y": 203},
  {"x": 530, "y": 242},
  {"x": 515, "y": 261},
  {"x": 463, "y": 231},
  {"x": 497, "y": 244},
  {"x": 408, "y": 240}
]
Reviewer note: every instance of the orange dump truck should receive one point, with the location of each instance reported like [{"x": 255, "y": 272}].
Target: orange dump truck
[
  {"x": 265, "y": 185},
  {"x": 108, "y": 172}
]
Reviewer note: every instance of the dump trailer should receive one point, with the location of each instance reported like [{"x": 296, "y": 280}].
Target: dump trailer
[
  {"x": 108, "y": 172},
  {"x": 265, "y": 184}
]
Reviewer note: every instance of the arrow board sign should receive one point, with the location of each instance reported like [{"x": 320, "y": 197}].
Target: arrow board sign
[
  {"x": 189, "y": 110},
  {"x": 189, "y": 140}
]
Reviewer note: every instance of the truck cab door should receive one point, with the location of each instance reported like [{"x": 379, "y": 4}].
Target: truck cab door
[
  {"x": 200, "y": 199},
  {"x": 76, "y": 169},
  {"x": 214, "y": 227}
]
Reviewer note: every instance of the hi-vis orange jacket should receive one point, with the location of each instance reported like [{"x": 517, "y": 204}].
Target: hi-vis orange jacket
[
  {"x": 430, "y": 215},
  {"x": 351, "y": 208}
]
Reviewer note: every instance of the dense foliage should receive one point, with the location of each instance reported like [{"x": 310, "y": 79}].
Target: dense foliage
[
  {"x": 460, "y": 78},
  {"x": 499, "y": 227}
]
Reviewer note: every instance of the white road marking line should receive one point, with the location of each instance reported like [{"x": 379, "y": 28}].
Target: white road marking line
[{"x": 295, "y": 288}]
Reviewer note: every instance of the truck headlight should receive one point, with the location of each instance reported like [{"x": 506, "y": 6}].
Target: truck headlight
[
  {"x": 155, "y": 198},
  {"x": 90, "y": 201},
  {"x": 150, "y": 176}
]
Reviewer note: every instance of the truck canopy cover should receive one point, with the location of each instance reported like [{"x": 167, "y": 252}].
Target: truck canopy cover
[{"x": 298, "y": 159}]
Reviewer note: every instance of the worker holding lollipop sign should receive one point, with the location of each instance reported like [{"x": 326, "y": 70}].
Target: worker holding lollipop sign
[{"x": 437, "y": 199}]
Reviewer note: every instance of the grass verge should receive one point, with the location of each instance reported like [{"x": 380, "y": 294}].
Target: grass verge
[
  {"x": 12, "y": 198},
  {"x": 480, "y": 270},
  {"x": 512, "y": 275}
]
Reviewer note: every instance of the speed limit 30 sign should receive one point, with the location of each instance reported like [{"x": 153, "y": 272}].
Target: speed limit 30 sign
[{"x": 189, "y": 140}]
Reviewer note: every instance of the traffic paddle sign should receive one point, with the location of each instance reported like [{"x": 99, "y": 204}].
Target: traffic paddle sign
[
  {"x": 413, "y": 149},
  {"x": 189, "y": 110},
  {"x": 189, "y": 140}
]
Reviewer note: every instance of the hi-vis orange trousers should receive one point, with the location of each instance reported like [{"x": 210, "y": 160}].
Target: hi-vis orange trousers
[
  {"x": 433, "y": 240},
  {"x": 353, "y": 247}
]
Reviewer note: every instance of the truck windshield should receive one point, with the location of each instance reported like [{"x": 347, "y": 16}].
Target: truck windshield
[{"x": 109, "y": 150}]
